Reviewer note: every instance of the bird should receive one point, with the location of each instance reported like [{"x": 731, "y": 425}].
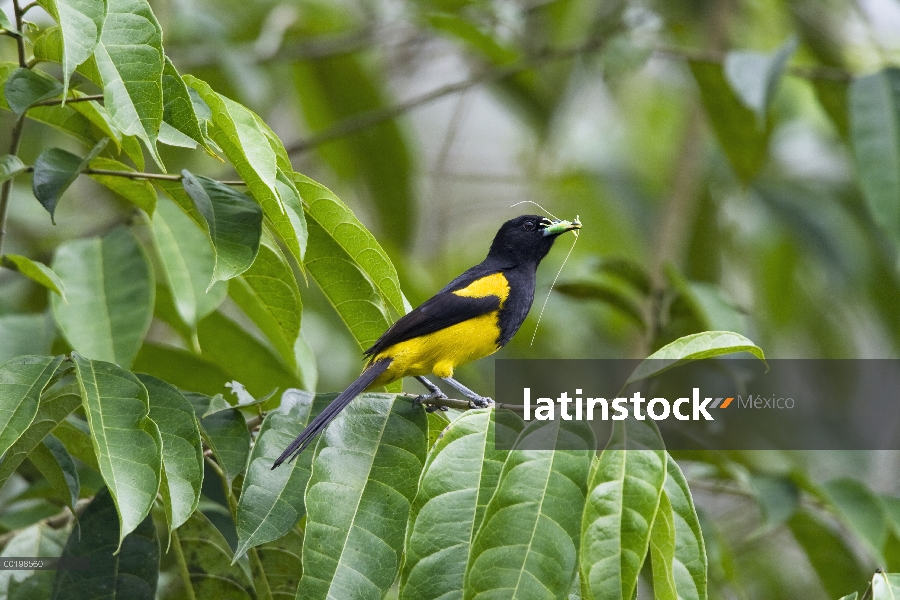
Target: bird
[{"x": 473, "y": 316}]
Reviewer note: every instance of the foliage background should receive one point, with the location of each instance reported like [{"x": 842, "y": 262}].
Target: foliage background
[{"x": 755, "y": 222}]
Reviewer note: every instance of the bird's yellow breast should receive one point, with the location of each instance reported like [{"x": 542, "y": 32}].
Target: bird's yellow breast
[{"x": 442, "y": 351}]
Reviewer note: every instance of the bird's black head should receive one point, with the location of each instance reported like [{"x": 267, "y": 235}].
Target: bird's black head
[{"x": 528, "y": 239}]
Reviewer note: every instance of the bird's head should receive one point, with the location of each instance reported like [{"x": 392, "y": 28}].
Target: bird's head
[{"x": 528, "y": 239}]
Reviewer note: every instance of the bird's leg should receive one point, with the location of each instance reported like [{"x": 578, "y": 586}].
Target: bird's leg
[
  {"x": 434, "y": 393},
  {"x": 475, "y": 401}
]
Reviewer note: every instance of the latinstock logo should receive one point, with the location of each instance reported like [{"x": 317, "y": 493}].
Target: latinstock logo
[{"x": 580, "y": 408}]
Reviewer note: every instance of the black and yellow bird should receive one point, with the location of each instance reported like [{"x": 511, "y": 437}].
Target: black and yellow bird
[{"x": 475, "y": 315}]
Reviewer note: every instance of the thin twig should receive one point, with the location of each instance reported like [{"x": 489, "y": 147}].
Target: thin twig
[
  {"x": 718, "y": 57},
  {"x": 142, "y": 175},
  {"x": 460, "y": 404},
  {"x": 57, "y": 521},
  {"x": 364, "y": 120},
  {"x": 7, "y": 185},
  {"x": 20, "y": 40},
  {"x": 58, "y": 101}
]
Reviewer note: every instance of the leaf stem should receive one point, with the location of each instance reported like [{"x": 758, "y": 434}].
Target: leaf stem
[
  {"x": 58, "y": 101},
  {"x": 28, "y": 7},
  {"x": 142, "y": 175}
]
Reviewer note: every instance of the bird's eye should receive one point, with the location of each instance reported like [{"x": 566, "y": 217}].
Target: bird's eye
[{"x": 528, "y": 225}]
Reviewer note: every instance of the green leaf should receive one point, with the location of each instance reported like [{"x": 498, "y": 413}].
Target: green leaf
[
  {"x": 25, "y": 87},
  {"x": 234, "y": 223},
  {"x": 363, "y": 482},
  {"x": 267, "y": 292},
  {"x": 459, "y": 478},
  {"x": 138, "y": 192},
  {"x": 755, "y": 76},
  {"x": 5, "y": 23},
  {"x": 55, "y": 170},
  {"x": 662, "y": 551},
  {"x": 834, "y": 562},
  {"x": 340, "y": 87},
  {"x": 178, "y": 108},
  {"x": 35, "y": 271},
  {"x": 39, "y": 541},
  {"x": 111, "y": 288},
  {"x": 833, "y": 96},
  {"x": 696, "y": 346},
  {"x": 120, "y": 568},
  {"x": 875, "y": 137},
  {"x": 281, "y": 564},
  {"x": 63, "y": 118},
  {"x": 886, "y": 586},
  {"x": 10, "y": 166},
  {"x": 238, "y": 133},
  {"x": 56, "y": 465},
  {"x": 182, "y": 450},
  {"x": 527, "y": 544},
  {"x": 126, "y": 441},
  {"x": 336, "y": 221},
  {"x": 181, "y": 368},
  {"x": 188, "y": 261},
  {"x": 242, "y": 356},
  {"x": 349, "y": 290},
  {"x": 22, "y": 380},
  {"x": 606, "y": 292},
  {"x": 75, "y": 434},
  {"x": 25, "y": 334},
  {"x": 129, "y": 60},
  {"x": 80, "y": 22},
  {"x": 862, "y": 511},
  {"x": 744, "y": 142},
  {"x": 623, "y": 496},
  {"x": 52, "y": 409},
  {"x": 689, "y": 562},
  {"x": 271, "y": 501},
  {"x": 226, "y": 433},
  {"x": 204, "y": 563}
]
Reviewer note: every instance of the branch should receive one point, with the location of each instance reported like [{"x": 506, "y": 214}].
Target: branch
[
  {"x": 57, "y": 521},
  {"x": 460, "y": 404},
  {"x": 20, "y": 39},
  {"x": 364, "y": 120},
  {"x": 58, "y": 101},
  {"x": 717, "y": 57},
  {"x": 7, "y": 185},
  {"x": 142, "y": 175}
]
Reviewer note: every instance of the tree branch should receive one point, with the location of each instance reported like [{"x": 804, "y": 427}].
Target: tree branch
[
  {"x": 142, "y": 175},
  {"x": 718, "y": 57},
  {"x": 55, "y": 522},
  {"x": 460, "y": 404},
  {"x": 364, "y": 120},
  {"x": 6, "y": 190},
  {"x": 20, "y": 40},
  {"x": 58, "y": 101}
]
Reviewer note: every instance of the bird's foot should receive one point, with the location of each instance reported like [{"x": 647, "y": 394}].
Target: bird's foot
[
  {"x": 435, "y": 395},
  {"x": 480, "y": 402}
]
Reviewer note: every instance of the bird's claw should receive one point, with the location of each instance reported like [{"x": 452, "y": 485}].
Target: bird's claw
[
  {"x": 480, "y": 402},
  {"x": 423, "y": 398}
]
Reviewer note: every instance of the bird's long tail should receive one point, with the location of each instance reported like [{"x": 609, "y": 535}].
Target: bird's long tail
[{"x": 332, "y": 410}]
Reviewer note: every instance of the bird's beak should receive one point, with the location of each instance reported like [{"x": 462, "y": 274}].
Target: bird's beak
[{"x": 557, "y": 227}]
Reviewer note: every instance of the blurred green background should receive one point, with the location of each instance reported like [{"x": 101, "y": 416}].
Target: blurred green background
[{"x": 701, "y": 210}]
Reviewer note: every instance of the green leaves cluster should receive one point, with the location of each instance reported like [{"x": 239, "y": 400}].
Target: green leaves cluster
[{"x": 374, "y": 500}]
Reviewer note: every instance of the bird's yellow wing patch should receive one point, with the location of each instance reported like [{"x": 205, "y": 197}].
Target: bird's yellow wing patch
[{"x": 491, "y": 285}]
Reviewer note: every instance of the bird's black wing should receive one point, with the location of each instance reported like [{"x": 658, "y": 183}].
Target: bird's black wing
[{"x": 442, "y": 310}]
